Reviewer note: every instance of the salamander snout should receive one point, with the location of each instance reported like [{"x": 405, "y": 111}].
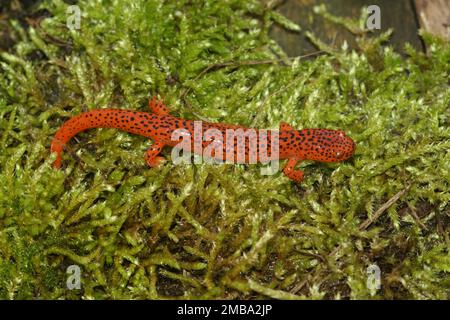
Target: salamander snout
[
  {"x": 343, "y": 146},
  {"x": 327, "y": 145}
]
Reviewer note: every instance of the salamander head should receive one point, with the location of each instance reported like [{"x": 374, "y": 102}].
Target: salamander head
[{"x": 325, "y": 145}]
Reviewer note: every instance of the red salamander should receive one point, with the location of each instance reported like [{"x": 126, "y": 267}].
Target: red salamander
[{"x": 322, "y": 145}]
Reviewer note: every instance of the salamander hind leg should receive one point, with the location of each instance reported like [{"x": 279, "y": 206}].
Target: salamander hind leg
[
  {"x": 151, "y": 157},
  {"x": 158, "y": 107},
  {"x": 290, "y": 172}
]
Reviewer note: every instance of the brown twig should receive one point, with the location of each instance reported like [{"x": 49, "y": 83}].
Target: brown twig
[
  {"x": 238, "y": 64},
  {"x": 382, "y": 209},
  {"x": 413, "y": 213},
  {"x": 362, "y": 227}
]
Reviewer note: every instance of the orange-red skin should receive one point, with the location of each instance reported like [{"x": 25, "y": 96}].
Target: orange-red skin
[{"x": 322, "y": 145}]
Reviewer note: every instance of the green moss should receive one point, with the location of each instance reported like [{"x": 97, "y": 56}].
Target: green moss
[{"x": 220, "y": 231}]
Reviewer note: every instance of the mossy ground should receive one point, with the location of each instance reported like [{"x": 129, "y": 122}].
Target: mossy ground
[{"x": 205, "y": 231}]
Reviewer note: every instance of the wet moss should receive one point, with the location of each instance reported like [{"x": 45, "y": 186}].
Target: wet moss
[{"x": 219, "y": 231}]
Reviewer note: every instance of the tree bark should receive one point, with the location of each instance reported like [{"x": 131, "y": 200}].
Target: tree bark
[{"x": 434, "y": 16}]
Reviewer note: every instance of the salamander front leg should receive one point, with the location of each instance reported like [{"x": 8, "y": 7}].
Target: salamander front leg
[
  {"x": 290, "y": 172},
  {"x": 158, "y": 107},
  {"x": 151, "y": 157}
]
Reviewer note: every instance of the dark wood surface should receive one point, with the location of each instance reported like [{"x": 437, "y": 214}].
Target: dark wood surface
[{"x": 397, "y": 14}]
